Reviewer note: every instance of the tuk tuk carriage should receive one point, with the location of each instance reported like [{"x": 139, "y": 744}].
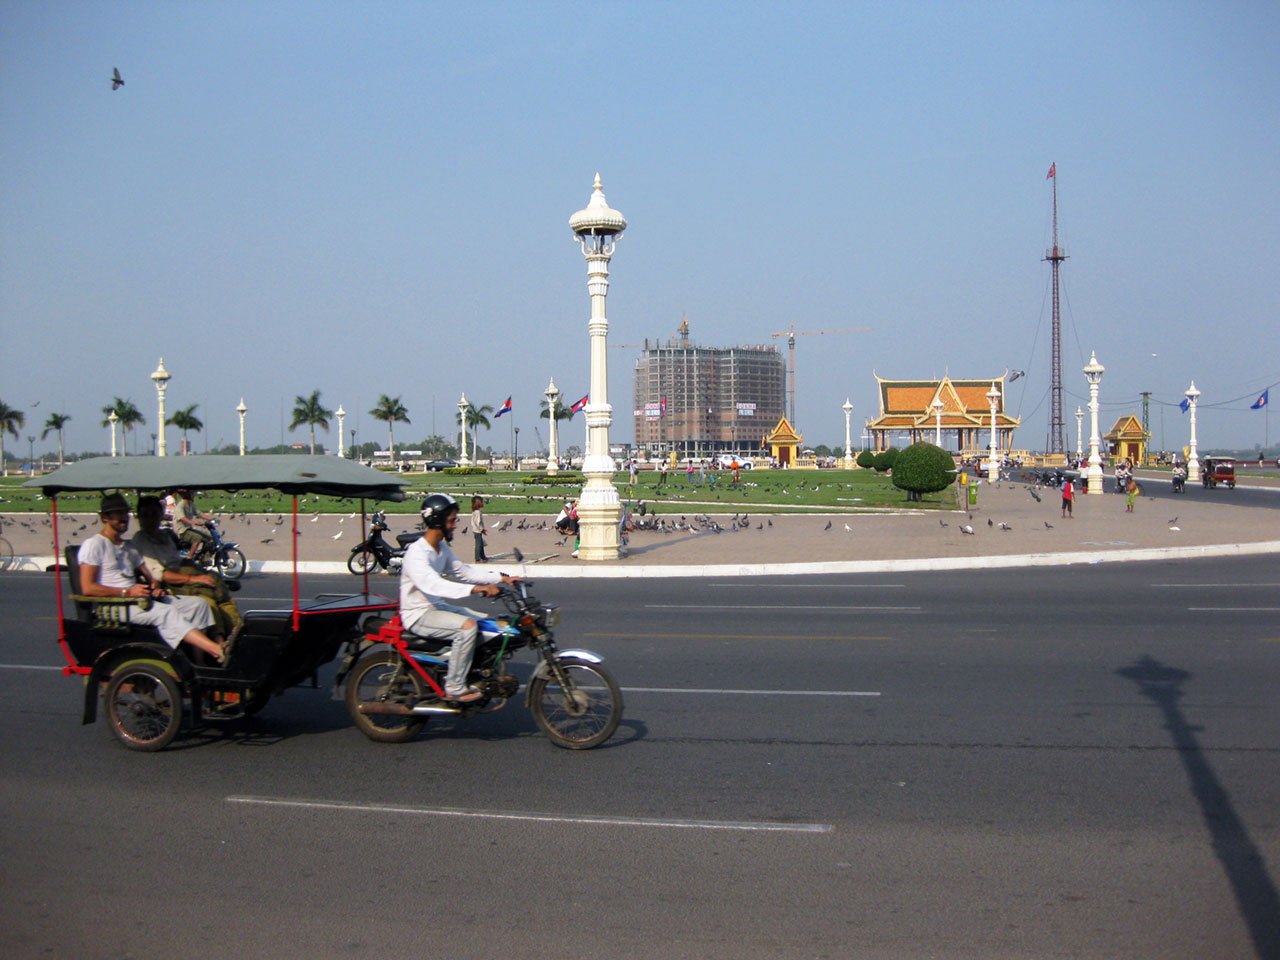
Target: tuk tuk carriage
[{"x": 1216, "y": 470}]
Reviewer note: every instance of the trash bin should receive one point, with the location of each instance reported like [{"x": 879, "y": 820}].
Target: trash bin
[{"x": 973, "y": 494}]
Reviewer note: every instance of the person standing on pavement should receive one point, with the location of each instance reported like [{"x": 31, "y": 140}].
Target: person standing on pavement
[
  {"x": 478, "y": 529},
  {"x": 1068, "y": 496},
  {"x": 1131, "y": 492}
]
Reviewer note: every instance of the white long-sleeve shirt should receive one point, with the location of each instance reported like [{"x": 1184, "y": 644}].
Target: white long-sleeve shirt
[{"x": 430, "y": 578}]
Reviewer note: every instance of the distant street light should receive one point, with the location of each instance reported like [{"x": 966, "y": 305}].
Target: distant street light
[
  {"x": 847, "y": 407},
  {"x": 1093, "y": 372},
  {"x": 31, "y": 455},
  {"x": 463, "y": 460},
  {"x": 1079, "y": 432},
  {"x": 342, "y": 416},
  {"x": 241, "y": 409},
  {"x": 553, "y": 451},
  {"x": 113, "y": 419},
  {"x": 937, "y": 421},
  {"x": 1193, "y": 462},
  {"x": 161, "y": 376},
  {"x": 993, "y": 456},
  {"x": 515, "y": 454}
]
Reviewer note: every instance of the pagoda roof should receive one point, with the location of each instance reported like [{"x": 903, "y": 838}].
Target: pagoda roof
[
  {"x": 907, "y": 404},
  {"x": 784, "y": 433},
  {"x": 1128, "y": 427}
]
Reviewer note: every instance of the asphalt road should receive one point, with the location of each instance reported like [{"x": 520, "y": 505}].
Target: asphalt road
[{"x": 1076, "y": 762}]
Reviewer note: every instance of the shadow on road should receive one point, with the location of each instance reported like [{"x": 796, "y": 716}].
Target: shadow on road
[{"x": 1241, "y": 860}]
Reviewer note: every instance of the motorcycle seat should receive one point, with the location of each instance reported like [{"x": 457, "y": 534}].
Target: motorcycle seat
[{"x": 406, "y": 539}]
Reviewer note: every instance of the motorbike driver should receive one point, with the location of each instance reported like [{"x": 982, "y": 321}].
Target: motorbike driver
[
  {"x": 430, "y": 578},
  {"x": 191, "y": 524}
]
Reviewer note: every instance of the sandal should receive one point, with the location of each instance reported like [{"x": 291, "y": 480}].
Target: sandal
[
  {"x": 469, "y": 695},
  {"x": 228, "y": 645}
]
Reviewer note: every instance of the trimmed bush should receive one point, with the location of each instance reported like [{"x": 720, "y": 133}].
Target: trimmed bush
[
  {"x": 866, "y": 460},
  {"x": 885, "y": 460},
  {"x": 554, "y": 480},
  {"x": 923, "y": 468},
  {"x": 464, "y": 471}
]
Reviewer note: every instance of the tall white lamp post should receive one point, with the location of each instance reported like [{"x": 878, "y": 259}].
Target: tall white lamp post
[
  {"x": 241, "y": 410},
  {"x": 161, "y": 377},
  {"x": 464, "y": 460},
  {"x": 113, "y": 420},
  {"x": 1093, "y": 371},
  {"x": 847, "y": 407},
  {"x": 993, "y": 454},
  {"x": 597, "y": 229},
  {"x": 937, "y": 421},
  {"x": 1079, "y": 433},
  {"x": 342, "y": 419},
  {"x": 1193, "y": 461},
  {"x": 553, "y": 452}
]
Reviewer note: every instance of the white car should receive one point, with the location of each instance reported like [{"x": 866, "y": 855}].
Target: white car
[{"x": 726, "y": 462}]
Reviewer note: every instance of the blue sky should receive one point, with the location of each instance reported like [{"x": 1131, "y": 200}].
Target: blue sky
[{"x": 373, "y": 198}]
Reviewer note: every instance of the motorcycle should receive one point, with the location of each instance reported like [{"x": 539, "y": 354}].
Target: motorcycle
[
  {"x": 375, "y": 552},
  {"x": 1179, "y": 481},
  {"x": 397, "y": 684},
  {"x": 221, "y": 555}
]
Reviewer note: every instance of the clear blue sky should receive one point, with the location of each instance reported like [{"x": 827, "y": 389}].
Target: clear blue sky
[{"x": 373, "y": 198}]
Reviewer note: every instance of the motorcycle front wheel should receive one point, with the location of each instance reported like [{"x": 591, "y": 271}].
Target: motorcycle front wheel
[
  {"x": 581, "y": 714},
  {"x": 362, "y": 562},
  {"x": 231, "y": 563},
  {"x": 385, "y": 680}
]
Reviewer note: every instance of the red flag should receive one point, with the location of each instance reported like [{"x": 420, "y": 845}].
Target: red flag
[
  {"x": 581, "y": 404},
  {"x": 1053, "y": 170},
  {"x": 505, "y": 408}
]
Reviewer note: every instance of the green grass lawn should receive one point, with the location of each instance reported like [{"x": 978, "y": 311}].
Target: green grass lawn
[{"x": 761, "y": 491}]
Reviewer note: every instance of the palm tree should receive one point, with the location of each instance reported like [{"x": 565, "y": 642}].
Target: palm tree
[
  {"x": 186, "y": 419},
  {"x": 54, "y": 424},
  {"x": 312, "y": 412},
  {"x": 391, "y": 410},
  {"x": 477, "y": 418},
  {"x": 127, "y": 415},
  {"x": 11, "y": 421},
  {"x": 562, "y": 412}
]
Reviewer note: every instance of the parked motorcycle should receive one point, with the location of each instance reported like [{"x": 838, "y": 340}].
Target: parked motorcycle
[
  {"x": 397, "y": 685},
  {"x": 221, "y": 555},
  {"x": 375, "y": 552}
]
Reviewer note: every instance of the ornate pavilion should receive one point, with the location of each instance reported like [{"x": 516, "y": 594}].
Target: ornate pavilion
[{"x": 907, "y": 406}]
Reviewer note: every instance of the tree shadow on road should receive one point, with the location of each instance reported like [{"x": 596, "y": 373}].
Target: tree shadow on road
[{"x": 1246, "y": 870}]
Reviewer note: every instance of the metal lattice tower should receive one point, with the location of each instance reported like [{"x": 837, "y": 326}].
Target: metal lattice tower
[{"x": 1055, "y": 255}]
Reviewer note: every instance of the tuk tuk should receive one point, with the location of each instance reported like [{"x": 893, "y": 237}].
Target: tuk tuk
[
  {"x": 147, "y": 687},
  {"x": 1216, "y": 470}
]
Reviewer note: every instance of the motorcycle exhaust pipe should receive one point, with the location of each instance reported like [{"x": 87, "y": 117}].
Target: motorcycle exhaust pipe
[{"x": 400, "y": 710}]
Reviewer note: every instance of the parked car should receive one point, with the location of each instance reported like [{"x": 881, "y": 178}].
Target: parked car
[
  {"x": 725, "y": 462},
  {"x": 438, "y": 465}
]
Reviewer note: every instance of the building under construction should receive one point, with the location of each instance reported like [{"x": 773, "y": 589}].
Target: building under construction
[{"x": 700, "y": 401}]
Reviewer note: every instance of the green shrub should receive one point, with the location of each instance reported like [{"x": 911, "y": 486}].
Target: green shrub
[
  {"x": 866, "y": 459},
  {"x": 923, "y": 468},
  {"x": 558, "y": 479},
  {"x": 884, "y": 460},
  {"x": 464, "y": 471}
]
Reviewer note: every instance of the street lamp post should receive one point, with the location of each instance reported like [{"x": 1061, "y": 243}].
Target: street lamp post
[
  {"x": 1193, "y": 461},
  {"x": 241, "y": 410},
  {"x": 355, "y": 453},
  {"x": 553, "y": 452},
  {"x": 342, "y": 417},
  {"x": 113, "y": 419},
  {"x": 937, "y": 421},
  {"x": 1079, "y": 433},
  {"x": 993, "y": 455},
  {"x": 161, "y": 377},
  {"x": 515, "y": 448},
  {"x": 464, "y": 460},
  {"x": 847, "y": 407},
  {"x": 31, "y": 455},
  {"x": 1093, "y": 371},
  {"x": 597, "y": 229}
]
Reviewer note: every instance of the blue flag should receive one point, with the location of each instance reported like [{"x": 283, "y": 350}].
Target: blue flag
[
  {"x": 505, "y": 408},
  {"x": 1185, "y": 405},
  {"x": 1262, "y": 401}
]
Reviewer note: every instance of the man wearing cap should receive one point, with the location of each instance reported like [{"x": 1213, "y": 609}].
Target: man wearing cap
[{"x": 111, "y": 567}]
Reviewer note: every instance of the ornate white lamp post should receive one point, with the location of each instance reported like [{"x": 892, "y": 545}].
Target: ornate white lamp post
[
  {"x": 342, "y": 419},
  {"x": 553, "y": 452},
  {"x": 113, "y": 420},
  {"x": 1193, "y": 462},
  {"x": 161, "y": 377},
  {"x": 993, "y": 454},
  {"x": 847, "y": 407},
  {"x": 1093, "y": 371},
  {"x": 464, "y": 460},
  {"x": 937, "y": 421},
  {"x": 241, "y": 410},
  {"x": 597, "y": 229},
  {"x": 1079, "y": 433}
]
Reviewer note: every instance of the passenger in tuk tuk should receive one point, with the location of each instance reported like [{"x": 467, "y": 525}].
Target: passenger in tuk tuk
[
  {"x": 111, "y": 567},
  {"x": 432, "y": 576},
  {"x": 169, "y": 566}
]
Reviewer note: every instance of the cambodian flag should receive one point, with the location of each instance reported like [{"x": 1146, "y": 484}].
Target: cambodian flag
[
  {"x": 1185, "y": 405},
  {"x": 581, "y": 404},
  {"x": 505, "y": 408},
  {"x": 1263, "y": 400},
  {"x": 664, "y": 406}
]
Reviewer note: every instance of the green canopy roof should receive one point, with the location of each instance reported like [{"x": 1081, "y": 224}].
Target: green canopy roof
[{"x": 288, "y": 473}]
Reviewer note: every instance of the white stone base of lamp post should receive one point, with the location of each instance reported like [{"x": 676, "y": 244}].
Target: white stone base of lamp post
[{"x": 599, "y": 512}]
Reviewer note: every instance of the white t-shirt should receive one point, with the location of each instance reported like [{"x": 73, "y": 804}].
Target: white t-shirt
[
  {"x": 432, "y": 577},
  {"x": 117, "y": 565}
]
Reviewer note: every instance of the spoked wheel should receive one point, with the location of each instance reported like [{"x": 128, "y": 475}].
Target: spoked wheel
[
  {"x": 231, "y": 563},
  {"x": 144, "y": 706},
  {"x": 362, "y": 562},
  {"x": 385, "y": 681},
  {"x": 584, "y": 712}
]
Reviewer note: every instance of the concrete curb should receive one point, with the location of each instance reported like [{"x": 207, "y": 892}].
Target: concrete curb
[{"x": 619, "y": 572}]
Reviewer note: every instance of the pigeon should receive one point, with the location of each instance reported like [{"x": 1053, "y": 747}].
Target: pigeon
[
  {"x": 1005, "y": 526},
  {"x": 848, "y": 529},
  {"x": 266, "y": 539},
  {"x": 116, "y": 81},
  {"x": 827, "y": 527},
  {"x": 1048, "y": 525},
  {"x": 337, "y": 536},
  {"x": 315, "y": 518},
  {"x": 1034, "y": 494},
  {"x": 967, "y": 529},
  {"x": 1173, "y": 521},
  {"x": 991, "y": 523}
]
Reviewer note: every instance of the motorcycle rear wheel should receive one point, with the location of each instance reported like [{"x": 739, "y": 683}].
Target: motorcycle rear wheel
[
  {"x": 362, "y": 562},
  {"x": 384, "y": 678},
  {"x": 582, "y": 714},
  {"x": 231, "y": 563},
  {"x": 143, "y": 705}
]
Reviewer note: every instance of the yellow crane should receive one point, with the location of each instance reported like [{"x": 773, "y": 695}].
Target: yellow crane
[{"x": 791, "y": 333}]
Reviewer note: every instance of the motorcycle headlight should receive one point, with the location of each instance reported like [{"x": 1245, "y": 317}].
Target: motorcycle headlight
[{"x": 551, "y": 616}]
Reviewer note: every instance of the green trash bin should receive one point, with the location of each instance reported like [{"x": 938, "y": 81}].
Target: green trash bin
[{"x": 973, "y": 494}]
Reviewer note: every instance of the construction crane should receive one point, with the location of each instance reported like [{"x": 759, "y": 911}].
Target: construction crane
[{"x": 791, "y": 335}]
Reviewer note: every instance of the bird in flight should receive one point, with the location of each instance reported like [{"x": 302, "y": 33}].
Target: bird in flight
[{"x": 116, "y": 81}]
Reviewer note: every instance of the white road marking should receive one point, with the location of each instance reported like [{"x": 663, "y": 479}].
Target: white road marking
[
  {"x": 25, "y": 666},
  {"x": 815, "y": 586},
  {"x": 1213, "y": 586},
  {"x": 774, "y": 606},
  {"x": 743, "y": 825},
  {"x": 757, "y": 693},
  {"x": 1234, "y": 609}
]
